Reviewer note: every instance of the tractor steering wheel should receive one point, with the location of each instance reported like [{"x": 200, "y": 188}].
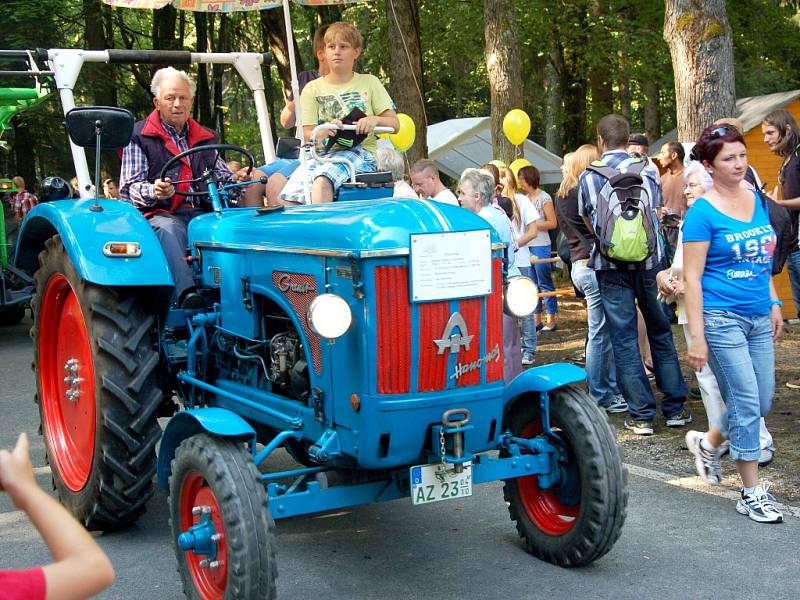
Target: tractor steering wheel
[{"x": 209, "y": 175}]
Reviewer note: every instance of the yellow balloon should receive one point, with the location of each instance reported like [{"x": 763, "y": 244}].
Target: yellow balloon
[
  {"x": 516, "y": 126},
  {"x": 406, "y": 134},
  {"x": 518, "y": 164}
]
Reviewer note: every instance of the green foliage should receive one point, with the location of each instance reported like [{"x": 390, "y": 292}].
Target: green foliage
[
  {"x": 603, "y": 50},
  {"x": 766, "y": 46}
]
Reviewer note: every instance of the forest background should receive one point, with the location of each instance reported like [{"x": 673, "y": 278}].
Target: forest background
[{"x": 565, "y": 62}]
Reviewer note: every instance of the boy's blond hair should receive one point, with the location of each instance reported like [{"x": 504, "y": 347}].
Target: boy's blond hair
[
  {"x": 19, "y": 182},
  {"x": 346, "y": 32}
]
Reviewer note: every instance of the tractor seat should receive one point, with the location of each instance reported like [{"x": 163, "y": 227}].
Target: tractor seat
[{"x": 376, "y": 179}]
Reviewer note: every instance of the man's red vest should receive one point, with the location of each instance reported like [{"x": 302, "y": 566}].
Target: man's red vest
[{"x": 158, "y": 147}]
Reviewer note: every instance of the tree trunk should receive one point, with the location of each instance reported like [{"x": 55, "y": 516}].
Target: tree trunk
[
  {"x": 24, "y": 153},
  {"x": 273, "y": 32},
  {"x": 164, "y": 21},
  {"x": 504, "y": 69},
  {"x": 202, "y": 101},
  {"x": 652, "y": 112},
  {"x": 600, "y": 72},
  {"x": 405, "y": 63},
  {"x": 624, "y": 84},
  {"x": 699, "y": 38},
  {"x": 553, "y": 107},
  {"x": 222, "y": 45},
  {"x": 100, "y": 77}
]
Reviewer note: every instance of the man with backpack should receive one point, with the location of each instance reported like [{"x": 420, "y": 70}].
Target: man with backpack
[{"x": 617, "y": 198}]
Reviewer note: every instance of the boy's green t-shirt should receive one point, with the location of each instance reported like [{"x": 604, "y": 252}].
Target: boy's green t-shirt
[{"x": 321, "y": 101}]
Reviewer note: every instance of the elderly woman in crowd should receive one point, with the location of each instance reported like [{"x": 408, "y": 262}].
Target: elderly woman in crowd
[
  {"x": 391, "y": 160},
  {"x": 733, "y": 312},
  {"x": 475, "y": 193}
]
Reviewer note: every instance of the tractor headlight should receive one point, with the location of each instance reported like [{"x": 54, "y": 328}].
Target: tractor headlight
[
  {"x": 522, "y": 296},
  {"x": 329, "y": 316}
]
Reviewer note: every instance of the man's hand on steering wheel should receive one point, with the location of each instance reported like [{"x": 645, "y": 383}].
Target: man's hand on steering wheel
[
  {"x": 163, "y": 189},
  {"x": 202, "y": 178}
]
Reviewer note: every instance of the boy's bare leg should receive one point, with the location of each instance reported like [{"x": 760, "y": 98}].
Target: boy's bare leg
[
  {"x": 253, "y": 193},
  {"x": 274, "y": 186},
  {"x": 322, "y": 191}
]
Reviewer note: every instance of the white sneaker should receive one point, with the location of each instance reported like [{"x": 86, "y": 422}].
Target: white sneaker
[
  {"x": 759, "y": 505},
  {"x": 706, "y": 463},
  {"x": 527, "y": 359}
]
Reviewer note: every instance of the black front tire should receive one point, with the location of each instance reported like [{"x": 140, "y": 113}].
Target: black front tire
[
  {"x": 220, "y": 473},
  {"x": 578, "y": 521}
]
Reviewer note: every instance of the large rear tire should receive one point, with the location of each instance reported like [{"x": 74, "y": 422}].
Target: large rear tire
[
  {"x": 577, "y": 521},
  {"x": 94, "y": 360},
  {"x": 218, "y": 476}
]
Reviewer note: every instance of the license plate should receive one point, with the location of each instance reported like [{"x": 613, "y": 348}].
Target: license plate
[{"x": 437, "y": 482}]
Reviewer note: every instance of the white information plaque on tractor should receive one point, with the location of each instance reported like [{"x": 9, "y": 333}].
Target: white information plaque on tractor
[
  {"x": 445, "y": 266},
  {"x": 437, "y": 482}
]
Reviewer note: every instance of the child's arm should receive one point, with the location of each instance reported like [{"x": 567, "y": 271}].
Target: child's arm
[
  {"x": 81, "y": 569},
  {"x": 387, "y": 118}
]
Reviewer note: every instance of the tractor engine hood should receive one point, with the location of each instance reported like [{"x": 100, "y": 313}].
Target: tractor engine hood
[{"x": 353, "y": 227}]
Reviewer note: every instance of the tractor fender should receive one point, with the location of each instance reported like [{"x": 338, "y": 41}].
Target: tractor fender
[
  {"x": 84, "y": 232},
  {"x": 543, "y": 379},
  {"x": 216, "y": 421}
]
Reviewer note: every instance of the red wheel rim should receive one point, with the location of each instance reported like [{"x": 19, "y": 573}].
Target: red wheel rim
[
  {"x": 209, "y": 583},
  {"x": 544, "y": 508},
  {"x": 66, "y": 372}
]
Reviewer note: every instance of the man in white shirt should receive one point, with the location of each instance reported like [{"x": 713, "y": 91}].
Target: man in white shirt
[{"x": 425, "y": 181}]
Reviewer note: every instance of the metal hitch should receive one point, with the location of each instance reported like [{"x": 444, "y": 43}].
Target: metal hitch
[{"x": 453, "y": 423}]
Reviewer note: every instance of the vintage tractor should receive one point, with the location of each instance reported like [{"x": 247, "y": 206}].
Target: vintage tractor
[{"x": 363, "y": 337}]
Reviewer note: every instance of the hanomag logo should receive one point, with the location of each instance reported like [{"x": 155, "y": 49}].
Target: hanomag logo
[{"x": 453, "y": 340}]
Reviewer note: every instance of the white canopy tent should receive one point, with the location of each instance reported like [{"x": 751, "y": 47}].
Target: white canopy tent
[{"x": 457, "y": 144}]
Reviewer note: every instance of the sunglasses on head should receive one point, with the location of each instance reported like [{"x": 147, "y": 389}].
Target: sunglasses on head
[{"x": 723, "y": 130}]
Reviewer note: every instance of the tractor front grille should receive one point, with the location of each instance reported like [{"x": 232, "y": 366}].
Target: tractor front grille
[{"x": 403, "y": 367}]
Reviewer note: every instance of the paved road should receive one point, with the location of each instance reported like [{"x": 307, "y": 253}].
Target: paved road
[{"x": 676, "y": 543}]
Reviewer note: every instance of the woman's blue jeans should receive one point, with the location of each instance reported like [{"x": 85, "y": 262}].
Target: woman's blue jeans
[
  {"x": 528, "y": 324},
  {"x": 742, "y": 356},
  {"x": 543, "y": 276},
  {"x": 601, "y": 370}
]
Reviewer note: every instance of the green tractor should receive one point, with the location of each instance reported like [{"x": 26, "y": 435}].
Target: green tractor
[{"x": 16, "y": 287}]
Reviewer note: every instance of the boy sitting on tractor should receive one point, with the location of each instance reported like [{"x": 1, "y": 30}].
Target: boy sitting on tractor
[{"x": 341, "y": 97}]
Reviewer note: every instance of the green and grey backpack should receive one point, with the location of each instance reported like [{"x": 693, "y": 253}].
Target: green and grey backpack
[{"x": 623, "y": 221}]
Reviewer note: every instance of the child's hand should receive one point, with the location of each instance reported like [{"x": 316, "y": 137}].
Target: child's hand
[
  {"x": 326, "y": 133},
  {"x": 366, "y": 124},
  {"x": 16, "y": 471}
]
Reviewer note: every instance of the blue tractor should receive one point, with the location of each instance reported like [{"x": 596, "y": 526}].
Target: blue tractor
[{"x": 364, "y": 337}]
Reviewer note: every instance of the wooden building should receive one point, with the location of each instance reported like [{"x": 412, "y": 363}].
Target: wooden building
[{"x": 751, "y": 111}]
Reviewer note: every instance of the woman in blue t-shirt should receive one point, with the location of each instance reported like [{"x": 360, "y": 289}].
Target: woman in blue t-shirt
[{"x": 734, "y": 313}]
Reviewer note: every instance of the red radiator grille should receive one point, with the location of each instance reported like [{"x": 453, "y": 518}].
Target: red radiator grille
[
  {"x": 394, "y": 330},
  {"x": 471, "y": 311},
  {"x": 432, "y": 370},
  {"x": 494, "y": 323},
  {"x": 394, "y": 327}
]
